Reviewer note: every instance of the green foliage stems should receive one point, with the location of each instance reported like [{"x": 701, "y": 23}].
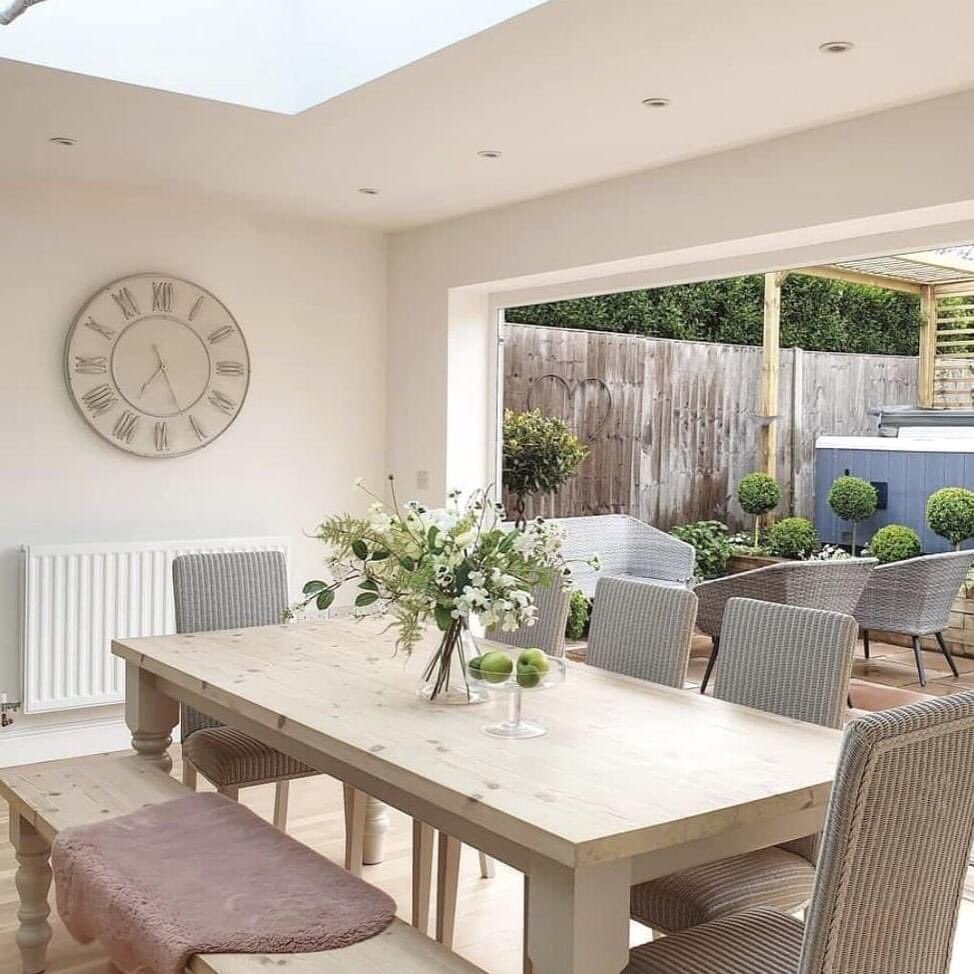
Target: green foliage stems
[
  {"x": 950, "y": 513},
  {"x": 894, "y": 542},
  {"x": 540, "y": 454},
  {"x": 816, "y": 314},
  {"x": 793, "y": 537},
  {"x": 852, "y": 499},
  {"x": 758, "y": 493},
  {"x": 710, "y": 542}
]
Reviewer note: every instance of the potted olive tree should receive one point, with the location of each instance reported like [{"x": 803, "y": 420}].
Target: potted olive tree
[
  {"x": 540, "y": 455},
  {"x": 852, "y": 499}
]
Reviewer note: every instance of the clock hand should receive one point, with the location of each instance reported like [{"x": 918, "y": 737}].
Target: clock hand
[
  {"x": 165, "y": 375},
  {"x": 148, "y": 382}
]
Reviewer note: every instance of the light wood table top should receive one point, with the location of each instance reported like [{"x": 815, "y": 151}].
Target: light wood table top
[{"x": 626, "y": 768}]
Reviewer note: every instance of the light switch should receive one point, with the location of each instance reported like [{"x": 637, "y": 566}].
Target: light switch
[{"x": 422, "y": 480}]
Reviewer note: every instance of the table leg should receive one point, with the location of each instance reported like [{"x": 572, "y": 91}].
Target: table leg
[
  {"x": 423, "y": 837},
  {"x": 578, "y": 920},
  {"x": 150, "y": 716},
  {"x": 376, "y": 826}
]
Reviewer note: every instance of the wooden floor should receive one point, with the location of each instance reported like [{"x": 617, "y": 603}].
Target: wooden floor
[{"x": 489, "y": 917}]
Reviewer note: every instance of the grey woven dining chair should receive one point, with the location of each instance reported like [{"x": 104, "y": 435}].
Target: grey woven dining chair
[
  {"x": 641, "y": 629},
  {"x": 548, "y": 631},
  {"x": 231, "y": 590},
  {"x": 831, "y": 585},
  {"x": 891, "y": 872},
  {"x": 627, "y": 548},
  {"x": 785, "y": 660},
  {"x": 914, "y": 597}
]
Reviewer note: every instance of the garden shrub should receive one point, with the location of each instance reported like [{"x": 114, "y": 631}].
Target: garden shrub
[
  {"x": 853, "y": 499},
  {"x": 710, "y": 542},
  {"x": 758, "y": 493},
  {"x": 540, "y": 454},
  {"x": 578, "y": 613},
  {"x": 894, "y": 543},
  {"x": 950, "y": 513},
  {"x": 793, "y": 537}
]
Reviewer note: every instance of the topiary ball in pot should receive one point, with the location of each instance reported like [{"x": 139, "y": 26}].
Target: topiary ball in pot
[
  {"x": 950, "y": 513},
  {"x": 793, "y": 537},
  {"x": 895, "y": 542},
  {"x": 757, "y": 494},
  {"x": 853, "y": 499}
]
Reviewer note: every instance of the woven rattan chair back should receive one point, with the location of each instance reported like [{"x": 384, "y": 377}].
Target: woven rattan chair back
[
  {"x": 897, "y": 840},
  {"x": 642, "y": 630},
  {"x": 786, "y": 660},
  {"x": 226, "y": 590},
  {"x": 625, "y": 546},
  {"x": 913, "y": 596},
  {"x": 548, "y": 631}
]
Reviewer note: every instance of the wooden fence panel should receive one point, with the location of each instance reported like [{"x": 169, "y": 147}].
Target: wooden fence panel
[{"x": 673, "y": 426}]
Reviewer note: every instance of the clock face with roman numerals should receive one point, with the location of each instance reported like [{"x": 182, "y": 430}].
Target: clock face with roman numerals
[{"x": 157, "y": 365}]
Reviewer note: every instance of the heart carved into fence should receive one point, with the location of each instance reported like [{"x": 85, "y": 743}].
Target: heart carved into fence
[{"x": 592, "y": 390}]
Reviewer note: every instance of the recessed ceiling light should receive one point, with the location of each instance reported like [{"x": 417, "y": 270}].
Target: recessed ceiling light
[
  {"x": 656, "y": 102},
  {"x": 63, "y": 140},
  {"x": 836, "y": 47},
  {"x": 369, "y": 191},
  {"x": 490, "y": 153}
]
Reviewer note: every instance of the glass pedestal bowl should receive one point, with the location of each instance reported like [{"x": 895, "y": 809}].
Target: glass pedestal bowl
[{"x": 516, "y": 727}]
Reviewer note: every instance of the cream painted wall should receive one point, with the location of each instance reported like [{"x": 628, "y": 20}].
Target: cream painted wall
[
  {"x": 311, "y": 302},
  {"x": 827, "y": 192}
]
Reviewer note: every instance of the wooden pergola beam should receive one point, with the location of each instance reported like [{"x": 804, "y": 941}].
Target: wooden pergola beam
[
  {"x": 855, "y": 277},
  {"x": 770, "y": 364}
]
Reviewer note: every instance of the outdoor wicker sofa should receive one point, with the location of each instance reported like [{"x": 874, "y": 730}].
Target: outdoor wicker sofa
[
  {"x": 831, "y": 585},
  {"x": 627, "y": 548}
]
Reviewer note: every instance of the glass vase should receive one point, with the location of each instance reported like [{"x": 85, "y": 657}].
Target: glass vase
[{"x": 445, "y": 679}]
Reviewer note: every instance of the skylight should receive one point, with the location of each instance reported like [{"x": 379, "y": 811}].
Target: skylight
[{"x": 279, "y": 55}]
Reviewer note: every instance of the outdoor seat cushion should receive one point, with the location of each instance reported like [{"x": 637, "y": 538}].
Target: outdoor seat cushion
[
  {"x": 774, "y": 878},
  {"x": 757, "y": 942},
  {"x": 226, "y": 757}
]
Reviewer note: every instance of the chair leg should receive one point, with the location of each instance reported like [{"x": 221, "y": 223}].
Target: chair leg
[
  {"x": 865, "y": 643},
  {"x": 486, "y": 866},
  {"x": 355, "y": 808},
  {"x": 710, "y": 664},
  {"x": 946, "y": 652},
  {"x": 282, "y": 791},
  {"x": 231, "y": 791},
  {"x": 423, "y": 836},
  {"x": 447, "y": 884},
  {"x": 917, "y": 652},
  {"x": 189, "y": 774},
  {"x": 33, "y": 880}
]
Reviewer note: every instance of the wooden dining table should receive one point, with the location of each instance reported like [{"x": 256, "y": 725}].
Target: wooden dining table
[{"x": 631, "y": 782}]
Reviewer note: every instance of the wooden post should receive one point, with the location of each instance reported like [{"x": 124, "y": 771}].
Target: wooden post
[
  {"x": 928, "y": 347},
  {"x": 770, "y": 355},
  {"x": 797, "y": 431}
]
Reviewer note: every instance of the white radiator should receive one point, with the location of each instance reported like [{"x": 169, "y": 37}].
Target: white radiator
[{"x": 78, "y": 598}]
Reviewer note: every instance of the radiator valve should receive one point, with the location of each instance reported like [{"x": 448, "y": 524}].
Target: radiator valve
[{"x": 5, "y": 710}]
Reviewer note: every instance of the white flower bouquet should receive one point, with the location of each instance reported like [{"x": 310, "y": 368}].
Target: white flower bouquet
[{"x": 445, "y": 565}]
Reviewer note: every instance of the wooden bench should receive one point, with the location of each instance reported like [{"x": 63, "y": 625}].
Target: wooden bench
[{"x": 45, "y": 798}]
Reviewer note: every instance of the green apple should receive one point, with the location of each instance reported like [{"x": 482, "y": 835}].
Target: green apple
[
  {"x": 534, "y": 657},
  {"x": 528, "y": 675},
  {"x": 496, "y": 666},
  {"x": 473, "y": 667}
]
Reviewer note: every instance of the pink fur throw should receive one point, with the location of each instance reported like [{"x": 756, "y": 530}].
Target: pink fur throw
[{"x": 204, "y": 875}]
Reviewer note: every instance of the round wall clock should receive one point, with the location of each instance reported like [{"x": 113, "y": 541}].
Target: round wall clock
[{"x": 156, "y": 365}]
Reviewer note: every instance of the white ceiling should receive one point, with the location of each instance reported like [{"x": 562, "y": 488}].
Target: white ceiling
[
  {"x": 558, "y": 89},
  {"x": 283, "y": 56}
]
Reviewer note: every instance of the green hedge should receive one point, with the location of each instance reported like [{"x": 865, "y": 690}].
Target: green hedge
[{"x": 816, "y": 313}]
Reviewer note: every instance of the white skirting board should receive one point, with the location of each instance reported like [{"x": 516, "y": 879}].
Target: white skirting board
[{"x": 52, "y": 737}]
